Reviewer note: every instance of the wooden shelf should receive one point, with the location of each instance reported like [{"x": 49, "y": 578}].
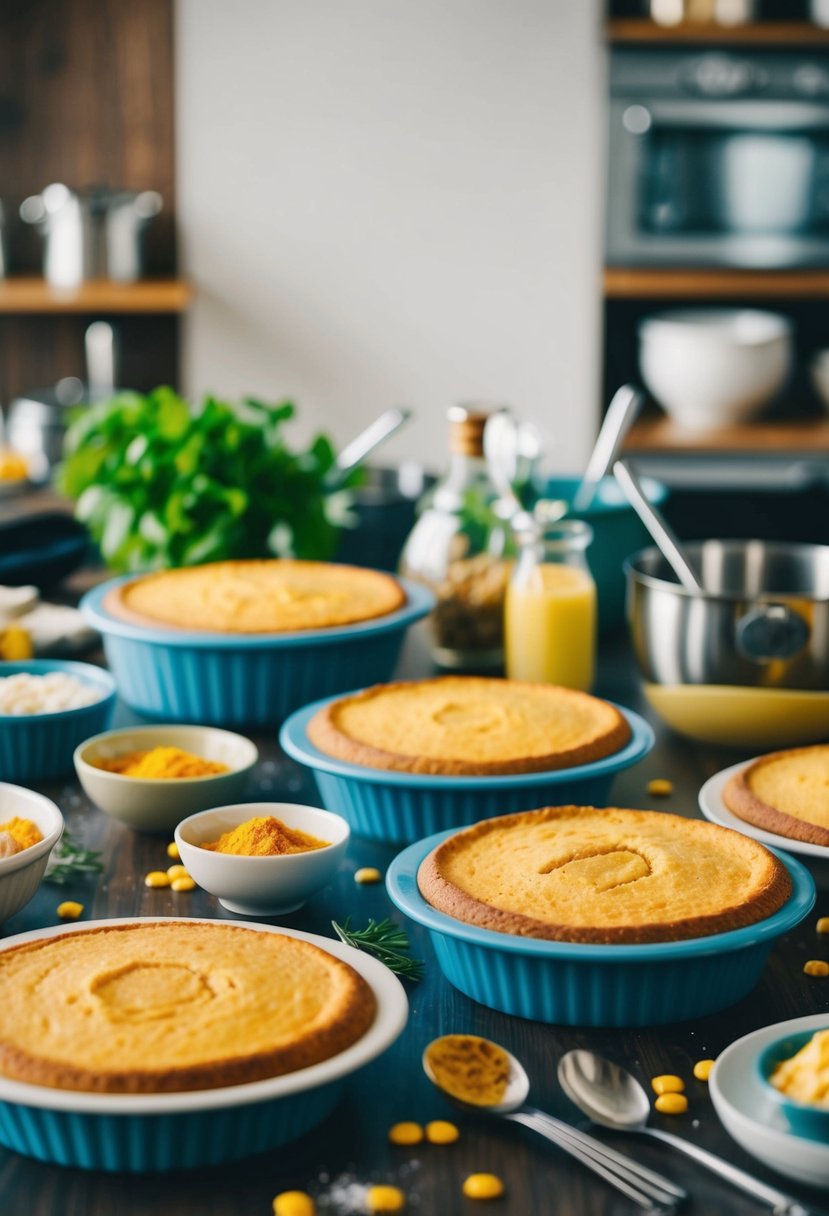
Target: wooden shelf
[
  {"x": 785, "y": 438},
  {"x": 35, "y": 295},
  {"x": 765, "y": 33},
  {"x": 684, "y": 283}
]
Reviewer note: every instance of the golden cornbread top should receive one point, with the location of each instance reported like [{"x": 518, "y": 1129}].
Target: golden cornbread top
[
  {"x": 785, "y": 792},
  {"x": 581, "y": 874},
  {"x": 804, "y": 1077},
  {"x": 173, "y": 1005},
  {"x": 278, "y": 596},
  {"x": 467, "y": 724}
]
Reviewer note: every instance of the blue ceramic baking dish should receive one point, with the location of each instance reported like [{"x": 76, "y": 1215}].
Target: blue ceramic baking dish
[
  {"x": 159, "y": 1132},
  {"x": 404, "y": 807},
  {"x": 224, "y": 679},
  {"x": 37, "y": 747},
  {"x": 571, "y": 984}
]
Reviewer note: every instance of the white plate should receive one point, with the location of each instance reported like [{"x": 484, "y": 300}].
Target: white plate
[
  {"x": 816, "y": 856},
  {"x": 392, "y": 1012},
  {"x": 751, "y": 1117}
]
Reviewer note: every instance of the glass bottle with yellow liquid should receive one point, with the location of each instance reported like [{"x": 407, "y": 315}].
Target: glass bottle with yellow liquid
[{"x": 550, "y": 609}]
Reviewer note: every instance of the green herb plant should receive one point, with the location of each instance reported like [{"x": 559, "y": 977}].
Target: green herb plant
[
  {"x": 386, "y": 941},
  {"x": 160, "y": 482},
  {"x": 71, "y": 860}
]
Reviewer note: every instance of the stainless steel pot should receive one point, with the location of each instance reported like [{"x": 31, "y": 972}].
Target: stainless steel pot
[{"x": 762, "y": 621}]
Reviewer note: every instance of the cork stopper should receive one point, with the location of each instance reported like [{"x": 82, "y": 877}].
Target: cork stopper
[{"x": 466, "y": 429}]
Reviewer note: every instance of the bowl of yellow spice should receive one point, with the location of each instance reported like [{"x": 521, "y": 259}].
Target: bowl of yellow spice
[
  {"x": 262, "y": 858},
  {"x": 30, "y": 827},
  {"x": 151, "y": 777}
]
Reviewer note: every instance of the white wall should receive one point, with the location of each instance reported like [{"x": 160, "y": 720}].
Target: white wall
[{"x": 394, "y": 201}]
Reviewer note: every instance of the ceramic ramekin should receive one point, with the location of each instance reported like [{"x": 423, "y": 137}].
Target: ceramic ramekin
[
  {"x": 571, "y": 984},
  {"x": 404, "y": 807},
  {"x": 154, "y": 1132},
  {"x": 37, "y": 747},
  {"x": 811, "y": 1121},
  {"x": 227, "y": 679},
  {"x": 22, "y": 873}
]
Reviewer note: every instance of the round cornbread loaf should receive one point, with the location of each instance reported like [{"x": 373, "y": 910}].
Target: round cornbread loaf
[
  {"x": 161, "y": 1007},
  {"x": 469, "y": 725},
  {"x": 786, "y": 793},
  {"x": 578, "y": 874},
  {"x": 270, "y": 596}
]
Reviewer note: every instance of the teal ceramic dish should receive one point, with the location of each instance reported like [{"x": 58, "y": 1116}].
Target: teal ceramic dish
[
  {"x": 158, "y": 1132},
  {"x": 809, "y": 1121},
  {"x": 403, "y": 807},
  {"x": 38, "y": 747},
  {"x": 222, "y": 679},
  {"x": 617, "y": 532},
  {"x": 570, "y": 984}
]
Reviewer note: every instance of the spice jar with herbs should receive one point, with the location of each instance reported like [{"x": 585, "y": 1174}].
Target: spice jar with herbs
[{"x": 458, "y": 548}]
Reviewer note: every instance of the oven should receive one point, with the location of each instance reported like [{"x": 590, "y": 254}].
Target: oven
[{"x": 718, "y": 159}]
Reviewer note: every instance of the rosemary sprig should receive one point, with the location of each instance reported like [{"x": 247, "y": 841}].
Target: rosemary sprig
[
  {"x": 386, "y": 941},
  {"x": 70, "y": 860}
]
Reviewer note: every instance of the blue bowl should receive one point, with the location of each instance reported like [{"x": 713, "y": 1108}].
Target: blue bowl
[
  {"x": 617, "y": 532},
  {"x": 402, "y": 807},
  {"x": 37, "y": 747},
  {"x": 159, "y": 1132},
  {"x": 221, "y": 679},
  {"x": 571, "y": 984},
  {"x": 809, "y": 1121}
]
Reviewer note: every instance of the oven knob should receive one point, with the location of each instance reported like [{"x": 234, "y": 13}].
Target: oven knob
[
  {"x": 811, "y": 80},
  {"x": 722, "y": 76},
  {"x": 637, "y": 120}
]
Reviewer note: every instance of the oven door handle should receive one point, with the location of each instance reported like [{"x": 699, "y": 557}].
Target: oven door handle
[{"x": 725, "y": 114}]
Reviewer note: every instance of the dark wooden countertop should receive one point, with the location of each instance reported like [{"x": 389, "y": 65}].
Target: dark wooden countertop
[{"x": 353, "y": 1141}]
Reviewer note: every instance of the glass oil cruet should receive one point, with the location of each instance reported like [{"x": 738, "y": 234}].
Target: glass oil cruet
[
  {"x": 458, "y": 549},
  {"x": 550, "y": 609}
]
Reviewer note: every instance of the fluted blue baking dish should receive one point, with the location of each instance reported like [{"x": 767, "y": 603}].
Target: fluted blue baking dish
[
  {"x": 404, "y": 807},
  {"x": 159, "y": 1132},
  {"x": 224, "y": 679},
  {"x": 572, "y": 984}
]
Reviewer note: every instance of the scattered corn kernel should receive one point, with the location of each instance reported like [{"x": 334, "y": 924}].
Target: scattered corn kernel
[
  {"x": 671, "y": 1103},
  {"x": 483, "y": 1186},
  {"x": 183, "y": 883},
  {"x": 156, "y": 878},
  {"x": 406, "y": 1133},
  {"x": 660, "y": 787},
  {"x": 366, "y": 875},
  {"x": 177, "y": 872},
  {"x": 702, "y": 1069},
  {"x": 439, "y": 1131},
  {"x": 174, "y": 855},
  {"x": 293, "y": 1203},
  {"x": 822, "y": 925},
  {"x": 385, "y": 1199},
  {"x": 816, "y": 966},
  {"x": 69, "y": 910},
  {"x": 667, "y": 1084}
]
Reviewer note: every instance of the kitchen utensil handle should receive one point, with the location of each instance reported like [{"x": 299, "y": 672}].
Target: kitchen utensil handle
[
  {"x": 377, "y": 432},
  {"x": 626, "y": 403},
  {"x": 656, "y": 525},
  {"x": 531, "y": 1119},
  {"x": 781, "y": 1203}
]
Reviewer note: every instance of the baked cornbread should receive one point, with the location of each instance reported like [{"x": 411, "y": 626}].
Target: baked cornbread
[
  {"x": 577, "y": 874},
  {"x": 471, "y": 725},
  {"x": 164, "y": 1006},
  {"x": 785, "y": 792},
  {"x": 257, "y": 596}
]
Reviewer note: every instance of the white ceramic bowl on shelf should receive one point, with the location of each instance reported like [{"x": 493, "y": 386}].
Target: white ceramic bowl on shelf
[
  {"x": 22, "y": 873},
  {"x": 714, "y": 367}
]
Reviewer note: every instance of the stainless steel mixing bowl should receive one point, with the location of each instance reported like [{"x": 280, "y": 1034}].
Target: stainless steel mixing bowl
[{"x": 762, "y": 620}]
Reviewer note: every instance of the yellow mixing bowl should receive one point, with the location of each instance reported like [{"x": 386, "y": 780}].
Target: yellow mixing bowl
[{"x": 733, "y": 716}]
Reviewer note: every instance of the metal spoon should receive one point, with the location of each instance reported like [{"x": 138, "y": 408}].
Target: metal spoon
[
  {"x": 651, "y": 1191},
  {"x": 666, "y": 541},
  {"x": 608, "y": 1094},
  {"x": 626, "y": 403},
  {"x": 506, "y": 443},
  {"x": 362, "y": 445}
]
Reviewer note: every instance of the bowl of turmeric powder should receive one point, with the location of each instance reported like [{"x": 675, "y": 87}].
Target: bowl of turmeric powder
[
  {"x": 30, "y": 827},
  {"x": 262, "y": 858},
  {"x": 151, "y": 777}
]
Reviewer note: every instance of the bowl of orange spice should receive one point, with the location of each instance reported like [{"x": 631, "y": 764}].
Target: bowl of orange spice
[
  {"x": 151, "y": 777},
  {"x": 262, "y": 858}
]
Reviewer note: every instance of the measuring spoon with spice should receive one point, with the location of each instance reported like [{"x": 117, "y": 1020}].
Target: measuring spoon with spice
[{"x": 481, "y": 1076}]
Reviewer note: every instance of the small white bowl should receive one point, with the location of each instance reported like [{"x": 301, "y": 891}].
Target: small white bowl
[
  {"x": 157, "y": 804},
  {"x": 21, "y": 874},
  {"x": 262, "y": 886}
]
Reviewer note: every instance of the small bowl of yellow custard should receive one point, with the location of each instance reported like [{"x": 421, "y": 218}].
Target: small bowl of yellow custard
[
  {"x": 795, "y": 1071},
  {"x": 262, "y": 858},
  {"x": 151, "y": 777}
]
